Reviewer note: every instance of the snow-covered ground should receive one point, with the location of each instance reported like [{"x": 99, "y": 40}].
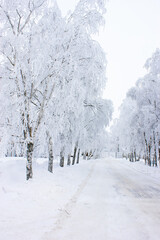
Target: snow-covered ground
[{"x": 111, "y": 199}]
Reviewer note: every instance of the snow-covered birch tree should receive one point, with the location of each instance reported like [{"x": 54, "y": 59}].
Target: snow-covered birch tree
[{"x": 27, "y": 52}]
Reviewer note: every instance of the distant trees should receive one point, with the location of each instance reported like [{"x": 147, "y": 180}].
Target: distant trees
[
  {"x": 52, "y": 77},
  {"x": 139, "y": 122}
]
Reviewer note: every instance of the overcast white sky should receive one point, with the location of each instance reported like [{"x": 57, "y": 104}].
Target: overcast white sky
[{"x": 131, "y": 35}]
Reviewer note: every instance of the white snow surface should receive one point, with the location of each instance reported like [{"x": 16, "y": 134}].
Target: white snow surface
[{"x": 103, "y": 199}]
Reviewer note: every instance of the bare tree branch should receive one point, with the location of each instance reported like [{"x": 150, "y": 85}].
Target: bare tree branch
[
  {"x": 9, "y": 19},
  {"x": 19, "y": 21},
  {"x": 11, "y": 62}
]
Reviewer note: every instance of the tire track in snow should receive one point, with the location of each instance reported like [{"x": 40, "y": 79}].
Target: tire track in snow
[{"x": 65, "y": 213}]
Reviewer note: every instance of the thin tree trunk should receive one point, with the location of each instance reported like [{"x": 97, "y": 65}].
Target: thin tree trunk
[
  {"x": 135, "y": 155},
  {"x": 62, "y": 158},
  {"x": 50, "y": 151},
  {"x": 90, "y": 154},
  {"x": 132, "y": 157},
  {"x": 78, "y": 155},
  {"x": 29, "y": 172},
  {"x": 146, "y": 149},
  {"x": 155, "y": 150},
  {"x": 145, "y": 159},
  {"x": 69, "y": 160},
  {"x": 74, "y": 155},
  {"x": 149, "y": 155},
  {"x": 159, "y": 151}
]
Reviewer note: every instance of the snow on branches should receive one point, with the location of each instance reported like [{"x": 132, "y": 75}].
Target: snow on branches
[
  {"x": 51, "y": 70},
  {"x": 138, "y": 127}
]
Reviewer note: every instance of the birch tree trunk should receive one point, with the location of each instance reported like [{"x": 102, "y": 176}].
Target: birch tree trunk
[
  {"x": 62, "y": 158},
  {"x": 149, "y": 155},
  {"x": 29, "y": 172},
  {"x": 74, "y": 155},
  {"x": 69, "y": 160},
  {"x": 132, "y": 159},
  {"x": 50, "y": 151},
  {"x": 155, "y": 150},
  {"x": 78, "y": 156},
  {"x": 146, "y": 149},
  {"x": 135, "y": 155},
  {"x": 159, "y": 151}
]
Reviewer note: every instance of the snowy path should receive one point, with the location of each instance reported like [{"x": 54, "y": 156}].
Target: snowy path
[{"x": 114, "y": 202}]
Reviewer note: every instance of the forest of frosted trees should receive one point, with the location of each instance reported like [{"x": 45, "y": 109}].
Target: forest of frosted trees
[
  {"x": 69, "y": 169},
  {"x": 136, "y": 134},
  {"x": 52, "y": 76}
]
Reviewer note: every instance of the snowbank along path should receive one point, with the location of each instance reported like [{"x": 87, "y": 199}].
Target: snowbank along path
[{"x": 114, "y": 202}]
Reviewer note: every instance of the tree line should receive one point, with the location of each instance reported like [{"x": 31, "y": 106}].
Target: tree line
[
  {"x": 52, "y": 78},
  {"x": 137, "y": 130}
]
